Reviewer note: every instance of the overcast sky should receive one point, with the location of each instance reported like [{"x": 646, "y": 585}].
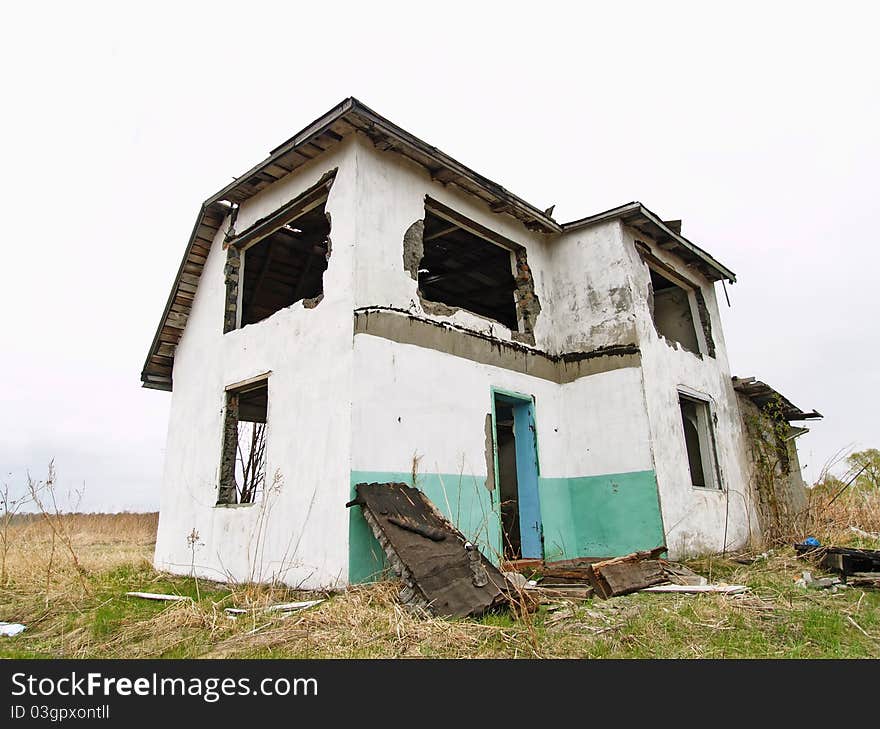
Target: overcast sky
[{"x": 757, "y": 124}]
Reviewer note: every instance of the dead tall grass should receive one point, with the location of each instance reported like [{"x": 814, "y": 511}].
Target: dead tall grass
[
  {"x": 90, "y": 529},
  {"x": 100, "y": 541},
  {"x": 369, "y": 621},
  {"x": 832, "y": 519}
]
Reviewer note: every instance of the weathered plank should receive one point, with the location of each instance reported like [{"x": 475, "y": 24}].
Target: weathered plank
[
  {"x": 696, "y": 589},
  {"x": 626, "y": 574},
  {"x": 158, "y": 596},
  {"x": 447, "y": 576},
  {"x": 843, "y": 560}
]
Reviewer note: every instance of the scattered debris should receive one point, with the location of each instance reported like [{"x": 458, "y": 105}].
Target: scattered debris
[
  {"x": 697, "y": 589},
  {"x": 823, "y": 583},
  {"x": 570, "y": 570},
  {"x": 842, "y": 560},
  {"x": 747, "y": 559},
  {"x": 11, "y": 629},
  {"x": 864, "y": 579},
  {"x": 678, "y": 574},
  {"x": 565, "y": 591},
  {"x": 293, "y": 606},
  {"x": 559, "y": 615},
  {"x": 286, "y": 607},
  {"x": 448, "y": 576},
  {"x": 865, "y": 535},
  {"x": 631, "y": 573},
  {"x": 158, "y": 596},
  {"x": 860, "y": 628},
  {"x": 518, "y": 580},
  {"x": 637, "y": 572}
]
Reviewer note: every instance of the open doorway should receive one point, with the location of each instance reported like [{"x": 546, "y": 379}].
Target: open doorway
[{"x": 517, "y": 469}]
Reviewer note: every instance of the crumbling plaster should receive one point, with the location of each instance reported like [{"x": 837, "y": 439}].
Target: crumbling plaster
[
  {"x": 392, "y": 209},
  {"x": 591, "y": 291}
]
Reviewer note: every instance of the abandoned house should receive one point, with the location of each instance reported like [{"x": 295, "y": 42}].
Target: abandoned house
[{"x": 362, "y": 308}]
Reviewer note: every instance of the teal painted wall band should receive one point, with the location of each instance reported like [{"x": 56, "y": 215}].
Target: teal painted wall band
[
  {"x": 591, "y": 516},
  {"x": 601, "y": 516}
]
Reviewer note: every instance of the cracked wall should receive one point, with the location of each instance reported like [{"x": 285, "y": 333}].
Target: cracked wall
[{"x": 231, "y": 273}]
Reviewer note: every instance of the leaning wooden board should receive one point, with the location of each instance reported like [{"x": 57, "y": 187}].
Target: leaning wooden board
[{"x": 442, "y": 570}]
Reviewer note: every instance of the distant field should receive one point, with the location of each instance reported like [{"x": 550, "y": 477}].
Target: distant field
[
  {"x": 92, "y": 529},
  {"x": 83, "y": 612}
]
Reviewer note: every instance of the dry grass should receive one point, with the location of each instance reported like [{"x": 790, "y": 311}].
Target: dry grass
[
  {"x": 101, "y": 541},
  {"x": 852, "y": 508},
  {"x": 71, "y": 617},
  {"x": 92, "y": 529}
]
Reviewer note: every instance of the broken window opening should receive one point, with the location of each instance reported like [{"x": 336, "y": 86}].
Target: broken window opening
[
  {"x": 672, "y": 313},
  {"x": 286, "y": 266},
  {"x": 699, "y": 437},
  {"x": 243, "y": 462},
  {"x": 461, "y": 269}
]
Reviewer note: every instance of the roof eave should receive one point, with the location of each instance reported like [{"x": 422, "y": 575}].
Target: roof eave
[
  {"x": 760, "y": 393},
  {"x": 635, "y": 211},
  {"x": 362, "y": 118}
]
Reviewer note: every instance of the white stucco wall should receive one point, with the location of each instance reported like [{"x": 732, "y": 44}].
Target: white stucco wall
[
  {"x": 340, "y": 403},
  {"x": 443, "y": 400},
  {"x": 296, "y": 533},
  {"x": 591, "y": 290},
  {"x": 696, "y": 520},
  {"x": 392, "y": 197},
  {"x": 410, "y": 400}
]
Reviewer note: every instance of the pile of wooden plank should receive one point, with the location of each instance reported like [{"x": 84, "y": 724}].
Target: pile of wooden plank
[
  {"x": 605, "y": 578},
  {"x": 857, "y": 567}
]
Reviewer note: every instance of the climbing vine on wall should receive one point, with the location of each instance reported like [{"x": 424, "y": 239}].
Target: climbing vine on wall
[{"x": 768, "y": 433}]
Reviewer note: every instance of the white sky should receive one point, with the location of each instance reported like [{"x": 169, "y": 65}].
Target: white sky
[{"x": 755, "y": 123}]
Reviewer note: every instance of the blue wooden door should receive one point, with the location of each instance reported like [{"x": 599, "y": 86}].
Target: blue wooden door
[{"x": 527, "y": 479}]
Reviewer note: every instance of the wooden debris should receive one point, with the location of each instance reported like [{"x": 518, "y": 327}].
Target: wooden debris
[
  {"x": 563, "y": 591},
  {"x": 566, "y": 574},
  {"x": 158, "y": 596},
  {"x": 285, "y": 607},
  {"x": 817, "y": 583},
  {"x": 864, "y": 579},
  {"x": 630, "y": 573},
  {"x": 842, "y": 560},
  {"x": 678, "y": 574},
  {"x": 448, "y": 577},
  {"x": 523, "y": 566},
  {"x": 859, "y": 628},
  {"x": 697, "y": 589}
]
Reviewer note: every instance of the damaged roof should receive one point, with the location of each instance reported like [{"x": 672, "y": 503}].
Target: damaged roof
[
  {"x": 666, "y": 233},
  {"x": 348, "y": 117},
  {"x": 762, "y": 394}
]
